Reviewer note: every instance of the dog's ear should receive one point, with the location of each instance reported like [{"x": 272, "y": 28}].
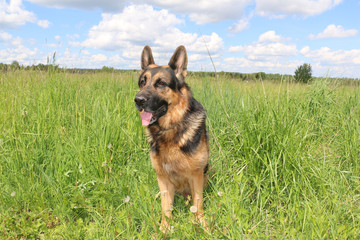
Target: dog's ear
[
  {"x": 146, "y": 57},
  {"x": 178, "y": 63}
]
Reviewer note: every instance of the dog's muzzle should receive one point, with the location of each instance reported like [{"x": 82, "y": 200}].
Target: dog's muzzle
[{"x": 150, "y": 109}]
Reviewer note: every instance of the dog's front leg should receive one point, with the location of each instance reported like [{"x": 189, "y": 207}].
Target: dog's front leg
[
  {"x": 167, "y": 192},
  {"x": 197, "y": 188}
]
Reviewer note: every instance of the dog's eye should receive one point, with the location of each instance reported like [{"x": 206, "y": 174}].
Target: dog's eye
[
  {"x": 161, "y": 84},
  {"x": 142, "y": 82}
]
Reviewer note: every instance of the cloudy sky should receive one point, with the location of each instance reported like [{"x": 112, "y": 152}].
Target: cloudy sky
[{"x": 246, "y": 36}]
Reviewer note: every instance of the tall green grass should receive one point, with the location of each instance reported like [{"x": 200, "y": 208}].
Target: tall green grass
[{"x": 74, "y": 162}]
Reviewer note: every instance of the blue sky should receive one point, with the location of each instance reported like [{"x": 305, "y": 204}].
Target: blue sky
[{"x": 247, "y": 36}]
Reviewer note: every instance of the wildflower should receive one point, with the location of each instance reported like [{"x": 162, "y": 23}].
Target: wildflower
[
  {"x": 193, "y": 209},
  {"x": 220, "y": 194},
  {"x": 109, "y": 146},
  {"x": 80, "y": 169},
  {"x": 104, "y": 164},
  {"x": 127, "y": 199},
  {"x": 13, "y": 194}
]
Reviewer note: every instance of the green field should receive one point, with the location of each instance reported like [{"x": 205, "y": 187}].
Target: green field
[{"x": 72, "y": 152}]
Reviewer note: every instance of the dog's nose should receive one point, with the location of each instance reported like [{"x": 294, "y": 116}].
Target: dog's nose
[{"x": 140, "y": 100}]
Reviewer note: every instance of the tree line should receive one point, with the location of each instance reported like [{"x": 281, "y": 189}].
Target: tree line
[{"x": 303, "y": 73}]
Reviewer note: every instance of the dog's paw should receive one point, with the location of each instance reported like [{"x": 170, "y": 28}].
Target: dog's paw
[
  {"x": 200, "y": 220},
  {"x": 165, "y": 227}
]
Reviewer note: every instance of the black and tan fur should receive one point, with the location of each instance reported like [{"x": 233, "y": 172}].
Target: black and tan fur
[{"x": 177, "y": 133}]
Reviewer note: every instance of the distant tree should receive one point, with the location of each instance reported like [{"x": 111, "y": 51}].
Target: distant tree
[
  {"x": 3, "y": 66},
  {"x": 15, "y": 65},
  {"x": 303, "y": 73},
  {"x": 262, "y": 75},
  {"x": 107, "y": 69},
  {"x": 41, "y": 67}
]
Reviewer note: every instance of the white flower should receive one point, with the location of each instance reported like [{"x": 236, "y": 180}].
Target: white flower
[
  {"x": 13, "y": 194},
  {"x": 80, "y": 169},
  {"x": 127, "y": 199},
  {"x": 220, "y": 194},
  {"x": 193, "y": 209}
]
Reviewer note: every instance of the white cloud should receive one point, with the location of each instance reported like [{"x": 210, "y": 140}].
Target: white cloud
[
  {"x": 86, "y": 52},
  {"x": 196, "y": 57},
  {"x": 305, "y": 8},
  {"x": 274, "y": 51},
  {"x": 205, "y": 11},
  {"x": 43, "y": 23},
  {"x": 270, "y": 47},
  {"x": 13, "y": 15},
  {"x": 270, "y": 53},
  {"x": 73, "y": 37},
  {"x": 270, "y": 36},
  {"x": 233, "y": 49},
  {"x": 333, "y": 31},
  {"x": 106, "y": 5},
  {"x": 8, "y": 40},
  {"x": 201, "y": 12},
  {"x": 5, "y": 37},
  {"x": 248, "y": 64},
  {"x": 339, "y": 63},
  {"x": 99, "y": 58},
  {"x": 245, "y": 65},
  {"x": 21, "y": 54},
  {"x": 116, "y": 60},
  {"x": 157, "y": 28},
  {"x": 117, "y": 31},
  {"x": 214, "y": 44},
  {"x": 239, "y": 26},
  {"x": 328, "y": 56},
  {"x": 85, "y": 59}
]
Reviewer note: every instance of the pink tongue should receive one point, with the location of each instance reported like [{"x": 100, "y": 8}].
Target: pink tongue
[{"x": 146, "y": 118}]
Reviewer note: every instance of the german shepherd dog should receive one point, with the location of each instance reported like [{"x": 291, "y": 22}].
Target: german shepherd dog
[{"x": 176, "y": 131}]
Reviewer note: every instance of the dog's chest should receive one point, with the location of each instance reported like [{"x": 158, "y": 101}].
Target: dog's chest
[
  {"x": 170, "y": 159},
  {"x": 169, "y": 168},
  {"x": 172, "y": 163}
]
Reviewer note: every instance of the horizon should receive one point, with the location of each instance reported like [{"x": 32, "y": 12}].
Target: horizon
[{"x": 241, "y": 36}]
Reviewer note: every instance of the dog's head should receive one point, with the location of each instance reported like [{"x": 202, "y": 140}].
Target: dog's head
[{"x": 159, "y": 85}]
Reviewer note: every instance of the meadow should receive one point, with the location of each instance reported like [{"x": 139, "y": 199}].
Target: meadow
[{"x": 74, "y": 161}]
